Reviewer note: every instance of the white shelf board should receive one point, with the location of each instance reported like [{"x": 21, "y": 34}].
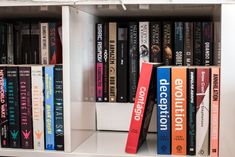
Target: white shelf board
[{"x": 106, "y": 144}]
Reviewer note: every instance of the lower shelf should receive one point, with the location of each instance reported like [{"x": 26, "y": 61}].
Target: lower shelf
[{"x": 101, "y": 143}]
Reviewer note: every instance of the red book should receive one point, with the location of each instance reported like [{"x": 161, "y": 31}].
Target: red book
[{"x": 142, "y": 110}]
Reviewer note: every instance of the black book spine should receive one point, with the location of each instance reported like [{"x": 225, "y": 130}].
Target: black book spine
[
  {"x": 197, "y": 40},
  {"x": 99, "y": 62},
  {"x": 207, "y": 39},
  {"x": 167, "y": 43},
  {"x": 3, "y": 43},
  {"x": 188, "y": 43},
  {"x": 122, "y": 65},
  {"x": 25, "y": 107},
  {"x": 25, "y": 41},
  {"x": 106, "y": 62},
  {"x": 13, "y": 107},
  {"x": 58, "y": 100},
  {"x": 191, "y": 133},
  {"x": 155, "y": 42},
  {"x": 34, "y": 39},
  {"x": 10, "y": 43},
  {"x": 179, "y": 43},
  {"x": 133, "y": 60},
  {"x": 17, "y": 44},
  {"x": 3, "y": 108}
]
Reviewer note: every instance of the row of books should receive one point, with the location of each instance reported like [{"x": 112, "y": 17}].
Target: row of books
[
  {"x": 30, "y": 42},
  {"x": 121, "y": 48},
  {"x": 31, "y": 107},
  {"x": 187, "y": 101}
]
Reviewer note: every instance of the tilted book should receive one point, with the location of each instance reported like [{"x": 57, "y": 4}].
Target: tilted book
[
  {"x": 142, "y": 110},
  {"x": 163, "y": 75},
  {"x": 202, "y": 111},
  {"x": 25, "y": 107},
  {"x": 215, "y": 112},
  {"x": 49, "y": 108},
  {"x": 3, "y": 108},
  {"x": 179, "y": 110},
  {"x": 37, "y": 106}
]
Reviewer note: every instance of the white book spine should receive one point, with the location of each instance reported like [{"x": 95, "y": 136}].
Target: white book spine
[
  {"x": 143, "y": 42},
  {"x": 44, "y": 27},
  {"x": 37, "y": 107}
]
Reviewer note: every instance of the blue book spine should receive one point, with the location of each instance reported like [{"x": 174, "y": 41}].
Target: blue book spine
[
  {"x": 49, "y": 107},
  {"x": 163, "y": 76}
]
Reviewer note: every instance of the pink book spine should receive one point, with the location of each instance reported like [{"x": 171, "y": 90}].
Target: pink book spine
[{"x": 215, "y": 105}]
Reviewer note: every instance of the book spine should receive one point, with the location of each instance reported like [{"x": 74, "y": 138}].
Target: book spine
[
  {"x": 35, "y": 37},
  {"x": 188, "y": 43},
  {"x": 139, "y": 109},
  {"x": 197, "y": 47},
  {"x": 163, "y": 110},
  {"x": 155, "y": 42},
  {"x": 3, "y": 109},
  {"x": 143, "y": 43},
  {"x": 52, "y": 43},
  {"x": 179, "y": 110},
  {"x": 44, "y": 40},
  {"x": 49, "y": 108},
  {"x": 25, "y": 107},
  {"x": 167, "y": 43},
  {"x": 58, "y": 98},
  {"x": 17, "y": 44},
  {"x": 3, "y": 47},
  {"x": 106, "y": 63},
  {"x": 25, "y": 41},
  {"x": 122, "y": 69},
  {"x": 13, "y": 107},
  {"x": 10, "y": 52},
  {"x": 202, "y": 111},
  {"x": 133, "y": 60},
  {"x": 191, "y": 90},
  {"x": 217, "y": 43},
  {"x": 179, "y": 43},
  {"x": 207, "y": 39},
  {"x": 37, "y": 107},
  {"x": 215, "y": 110},
  {"x": 58, "y": 40},
  {"x": 112, "y": 61},
  {"x": 99, "y": 62}
]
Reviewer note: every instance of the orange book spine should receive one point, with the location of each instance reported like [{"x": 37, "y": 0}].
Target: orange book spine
[
  {"x": 215, "y": 105},
  {"x": 179, "y": 110}
]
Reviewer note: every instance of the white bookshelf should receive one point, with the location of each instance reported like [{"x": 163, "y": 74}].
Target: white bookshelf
[{"x": 83, "y": 117}]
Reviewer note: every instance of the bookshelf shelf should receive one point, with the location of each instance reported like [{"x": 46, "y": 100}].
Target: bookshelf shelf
[{"x": 80, "y": 109}]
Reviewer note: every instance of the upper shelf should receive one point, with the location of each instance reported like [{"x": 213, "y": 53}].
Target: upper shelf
[{"x": 103, "y": 2}]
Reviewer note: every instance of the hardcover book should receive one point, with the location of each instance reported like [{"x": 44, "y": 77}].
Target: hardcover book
[
  {"x": 35, "y": 40},
  {"x": 58, "y": 101},
  {"x": 207, "y": 41},
  {"x": 163, "y": 75},
  {"x": 179, "y": 110},
  {"x": 3, "y": 108},
  {"x": 191, "y": 116},
  {"x": 44, "y": 40},
  {"x": 25, "y": 43},
  {"x": 49, "y": 108},
  {"x": 143, "y": 43},
  {"x": 112, "y": 61},
  {"x": 10, "y": 43},
  {"x": 155, "y": 42},
  {"x": 122, "y": 66},
  {"x": 3, "y": 43},
  {"x": 106, "y": 62},
  {"x": 133, "y": 60},
  {"x": 25, "y": 107},
  {"x": 188, "y": 43},
  {"x": 197, "y": 46},
  {"x": 202, "y": 111},
  {"x": 179, "y": 43},
  {"x": 99, "y": 61},
  {"x": 215, "y": 110},
  {"x": 37, "y": 107},
  {"x": 142, "y": 110},
  {"x": 167, "y": 43},
  {"x": 13, "y": 107}
]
